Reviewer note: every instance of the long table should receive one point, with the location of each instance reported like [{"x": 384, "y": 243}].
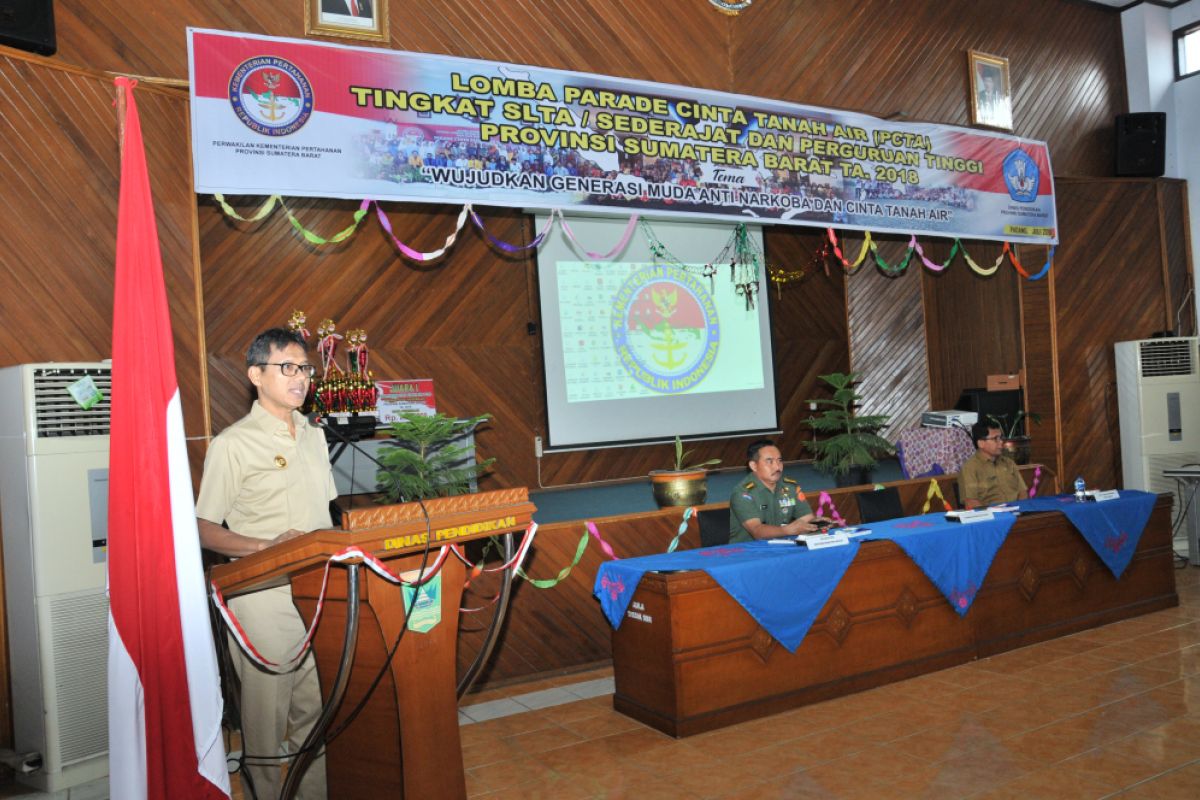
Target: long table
[{"x": 688, "y": 658}]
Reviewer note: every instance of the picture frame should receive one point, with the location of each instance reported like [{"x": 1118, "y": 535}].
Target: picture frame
[
  {"x": 991, "y": 90},
  {"x": 348, "y": 19}
]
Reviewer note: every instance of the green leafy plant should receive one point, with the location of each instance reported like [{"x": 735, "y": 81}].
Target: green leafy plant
[
  {"x": 854, "y": 441},
  {"x": 681, "y": 457},
  {"x": 1009, "y": 429},
  {"x": 423, "y": 461}
]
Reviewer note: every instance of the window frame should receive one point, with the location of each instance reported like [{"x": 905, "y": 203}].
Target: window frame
[{"x": 1181, "y": 34}]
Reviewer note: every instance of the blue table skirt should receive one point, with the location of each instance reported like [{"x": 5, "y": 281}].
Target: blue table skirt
[{"x": 783, "y": 586}]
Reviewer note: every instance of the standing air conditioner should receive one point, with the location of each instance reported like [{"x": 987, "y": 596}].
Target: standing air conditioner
[
  {"x": 1158, "y": 395},
  {"x": 54, "y": 512}
]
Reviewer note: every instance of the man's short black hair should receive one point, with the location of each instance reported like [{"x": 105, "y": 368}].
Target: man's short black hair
[
  {"x": 277, "y": 338},
  {"x": 982, "y": 429},
  {"x": 755, "y": 446}
]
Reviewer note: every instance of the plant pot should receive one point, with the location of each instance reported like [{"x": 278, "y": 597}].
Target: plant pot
[
  {"x": 671, "y": 488},
  {"x": 1017, "y": 448},
  {"x": 857, "y": 476}
]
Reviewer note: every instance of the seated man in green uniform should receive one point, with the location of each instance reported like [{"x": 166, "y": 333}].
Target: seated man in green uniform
[
  {"x": 766, "y": 504},
  {"x": 989, "y": 477}
]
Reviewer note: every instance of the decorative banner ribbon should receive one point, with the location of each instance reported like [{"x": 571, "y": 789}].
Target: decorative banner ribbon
[
  {"x": 837, "y": 251},
  {"x": 683, "y": 526},
  {"x": 903, "y": 265},
  {"x": 512, "y": 248},
  {"x": 1012, "y": 256},
  {"x": 298, "y": 652},
  {"x": 930, "y": 264},
  {"x": 625, "y": 237},
  {"x": 407, "y": 251},
  {"x": 934, "y": 491},
  {"x": 478, "y": 569},
  {"x": 548, "y": 583},
  {"x": 605, "y": 546},
  {"x": 266, "y": 208},
  {"x": 824, "y": 499},
  {"x": 1037, "y": 479},
  {"x": 313, "y": 238},
  {"x": 978, "y": 269}
]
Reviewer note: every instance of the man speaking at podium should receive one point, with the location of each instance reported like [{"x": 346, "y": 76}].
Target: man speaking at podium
[{"x": 267, "y": 477}]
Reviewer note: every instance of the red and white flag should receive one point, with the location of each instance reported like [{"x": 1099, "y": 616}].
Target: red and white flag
[{"x": 164, "y": 695}]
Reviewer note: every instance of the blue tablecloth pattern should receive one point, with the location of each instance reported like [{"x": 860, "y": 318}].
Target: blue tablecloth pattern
[
  {"x": 783, "y": 586},
  {"x": 1113, "y": 528}
]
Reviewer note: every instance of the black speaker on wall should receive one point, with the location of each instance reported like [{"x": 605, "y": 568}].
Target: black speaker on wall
[
  {"x": 28, "y": 25},
  {"x": 1141, "y": 144}
]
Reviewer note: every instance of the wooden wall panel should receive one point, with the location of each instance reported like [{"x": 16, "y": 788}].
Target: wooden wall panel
[
  {"x": 1108, "y": 288},
  {"x": 887, "y": 342},
  {"x": 60, "y": 172},
  {"x": 909, "y": 61},
  {"x": 1177, "y": 256},
  {"x": 1039, "y": 338},
  {"x": 973, "y": 323}
]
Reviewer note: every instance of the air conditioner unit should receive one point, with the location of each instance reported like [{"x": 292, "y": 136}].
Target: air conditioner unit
[
  {"x": 1158, "y": 398},
  {"x": 54, "y": 507}
]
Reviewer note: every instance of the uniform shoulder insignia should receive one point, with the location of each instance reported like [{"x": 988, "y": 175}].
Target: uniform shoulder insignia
[
  {"x": 789, "y": 480},
  {"x": 749, "y": 485}
]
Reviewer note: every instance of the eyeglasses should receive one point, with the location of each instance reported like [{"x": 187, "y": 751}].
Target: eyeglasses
[
  {"x": 988, "y": 439},
  {"x": 289, "y": 369}
]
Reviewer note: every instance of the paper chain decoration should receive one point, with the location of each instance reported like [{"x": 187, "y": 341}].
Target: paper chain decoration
[{"x": 744, "y": 260}]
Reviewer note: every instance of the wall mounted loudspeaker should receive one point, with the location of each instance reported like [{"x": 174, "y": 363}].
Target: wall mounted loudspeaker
[
  {"x": 28, "y": 25},
  {"x": 1141, "y": 144}
]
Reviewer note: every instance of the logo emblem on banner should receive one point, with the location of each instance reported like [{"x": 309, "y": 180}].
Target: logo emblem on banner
[
  {"x": 665, "y": 328},
  {"x": 270, "y": 95},
  {"x": 1021, "y": 175}
]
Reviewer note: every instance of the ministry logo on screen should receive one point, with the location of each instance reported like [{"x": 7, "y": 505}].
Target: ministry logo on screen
[
  {"x": 270, "y": 95},
  {"x": 1021, "y": 175},
  {"x": 665, "y": 328}
]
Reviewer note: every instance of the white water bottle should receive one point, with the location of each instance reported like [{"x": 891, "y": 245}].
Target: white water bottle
[{"x": 1080, "y": 490}]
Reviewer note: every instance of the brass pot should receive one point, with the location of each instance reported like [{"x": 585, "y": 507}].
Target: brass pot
[
  {"x": 1017, "y": 448},
  {"x": 671, "y": 488}
]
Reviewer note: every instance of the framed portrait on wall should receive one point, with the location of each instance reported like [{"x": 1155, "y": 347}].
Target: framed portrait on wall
[
  {"x": 991, "y": 92},
  {"x": 352, "y": 19}
]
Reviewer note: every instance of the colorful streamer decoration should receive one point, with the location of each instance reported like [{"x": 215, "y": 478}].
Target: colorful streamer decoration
[
  {"x": 1037, "y": 479},
  {"x": 824, "y": 500},
  {"x": 683, "y": 526},
  {"x": 935, "y": 491},
  {"x": 742, "y": 254}
]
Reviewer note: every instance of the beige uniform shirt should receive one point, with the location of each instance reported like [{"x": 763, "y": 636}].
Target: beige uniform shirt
[
  {"x": 262, "y": 482},
  {"x": 990, "y": 482}
]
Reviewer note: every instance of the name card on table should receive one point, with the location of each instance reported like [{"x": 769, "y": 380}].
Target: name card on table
[
  {"x": 975, "y": 515},
  {"x": 1107, "y": 494},
  {"x": 816, "y": 541},
  {"x": 851, "y": 533}
]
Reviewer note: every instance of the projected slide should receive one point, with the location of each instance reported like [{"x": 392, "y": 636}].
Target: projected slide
[{"x": 642, "y": 329}]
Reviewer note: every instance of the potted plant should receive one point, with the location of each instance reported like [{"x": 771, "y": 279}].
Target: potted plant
[
  {"x": 849, "y": 452},
  {"x": 1016, "y": 441},
  {"x": 424, "y": 460},
  {"x": 683, "y": 484}
]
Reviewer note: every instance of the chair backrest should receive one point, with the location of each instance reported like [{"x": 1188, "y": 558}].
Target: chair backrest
[
  {"x": 714, "y": 527},
  {"x": 879, "y": 505}
]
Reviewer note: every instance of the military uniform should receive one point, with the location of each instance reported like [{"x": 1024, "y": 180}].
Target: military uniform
[
  {"x": 752, "y": 500},
  {"x": 990, "y": 482}
]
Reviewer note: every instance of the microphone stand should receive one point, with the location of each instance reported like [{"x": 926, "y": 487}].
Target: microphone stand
[{"x": 320, "y": 422}]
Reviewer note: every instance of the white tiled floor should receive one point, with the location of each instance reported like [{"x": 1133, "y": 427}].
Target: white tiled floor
[{"x": 519, "y": 704}]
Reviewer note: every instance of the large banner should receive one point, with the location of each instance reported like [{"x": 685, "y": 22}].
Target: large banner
[{"x": 291, "y": 117}]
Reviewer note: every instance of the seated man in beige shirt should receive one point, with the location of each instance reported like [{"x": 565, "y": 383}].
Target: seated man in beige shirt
[{"x": 989, "y": 478}]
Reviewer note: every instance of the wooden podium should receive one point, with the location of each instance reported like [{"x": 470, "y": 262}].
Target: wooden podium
[{"x": 404, "y": 742}]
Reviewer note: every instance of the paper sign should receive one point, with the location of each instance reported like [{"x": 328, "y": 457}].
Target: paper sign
[
  {"x": 85, "y": 392},
  {"x": 819, "y": 540},
  {"x": 978, "y": 515},
  {"x": 1107, "y": 494},
  {"x": 397, "y": 398}
]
